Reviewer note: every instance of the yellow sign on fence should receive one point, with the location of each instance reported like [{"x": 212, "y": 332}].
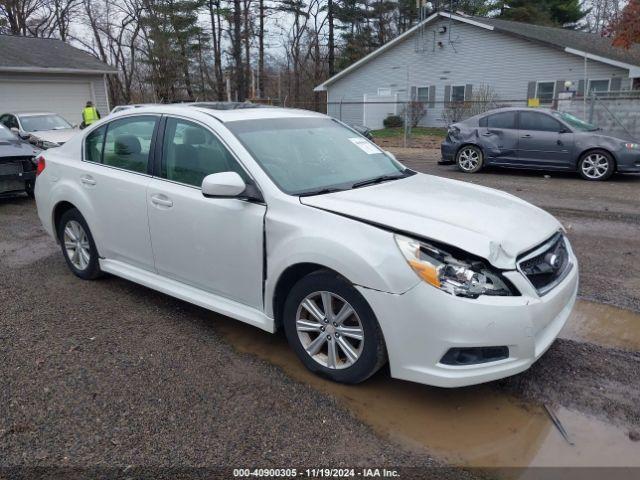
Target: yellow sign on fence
[{"x": 533, "y": 102}]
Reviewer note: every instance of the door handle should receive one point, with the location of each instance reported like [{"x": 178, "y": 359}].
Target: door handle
[
  {"x": 487, "y": 134},
  {"x": 88, "y": 180},
  {"x": 526, "y": 136},
  {"x": 161, "y": 200}
]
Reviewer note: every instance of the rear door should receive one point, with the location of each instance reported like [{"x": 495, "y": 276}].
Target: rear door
[
  {"x": 115, "y": 175},
  {"x": 499, "y": 137},
  {"x": 215, "y": 244},
  {"x": 543, "y": 141}
]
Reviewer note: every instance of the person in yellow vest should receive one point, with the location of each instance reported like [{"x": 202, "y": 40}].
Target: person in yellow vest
[{"x": 90, "y": 114}]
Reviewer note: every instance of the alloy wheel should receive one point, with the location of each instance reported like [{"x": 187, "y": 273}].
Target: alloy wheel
[
  {"x": 595, "y": 166},
  {"x": 330, "y": 330},
  {"x": 468, "y": 159},
  {"x": 76, "y": 244}
]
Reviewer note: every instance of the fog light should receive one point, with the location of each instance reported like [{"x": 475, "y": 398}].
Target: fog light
[{"x": 474, "y": 355}]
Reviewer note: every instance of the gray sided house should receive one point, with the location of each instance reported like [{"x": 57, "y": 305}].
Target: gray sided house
[
  {"x": 42, "y": 74},
  {"x": 448, "y": 57}
]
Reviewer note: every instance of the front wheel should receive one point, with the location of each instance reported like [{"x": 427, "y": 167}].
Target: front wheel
[
  {"x": 596, "y": 165},
  {"x": 332, "y": 328},
  {"x": 77, "y": 244},
  {"x": 469, "y": 159}
]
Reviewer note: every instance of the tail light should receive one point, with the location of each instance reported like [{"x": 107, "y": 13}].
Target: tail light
[{"x": 41, "y": 165}]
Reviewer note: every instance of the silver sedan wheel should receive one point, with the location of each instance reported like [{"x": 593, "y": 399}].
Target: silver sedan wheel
[
  {"x": 330, "y": 330},
  {"x": 468, "y": 159},
  {"x": 76, "y": 244},
  {"x": 595, "y": 166}
]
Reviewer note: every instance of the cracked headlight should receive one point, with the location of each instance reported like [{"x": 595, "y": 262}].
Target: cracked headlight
[{"x": 462, "y": 277}]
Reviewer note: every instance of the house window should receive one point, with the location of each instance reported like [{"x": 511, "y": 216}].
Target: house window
[
  {"x": 384, "y": 92},
  {"x": 545, "y": 91},
  {"x": 598, "y": 86},
  {"x": 422, "y": 94},
  {"x": 457, "y": 93}
]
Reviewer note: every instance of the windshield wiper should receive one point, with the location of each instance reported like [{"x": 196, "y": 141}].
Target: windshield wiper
[
  {"x": 320, "y": 191},
  {"x": 379, "y": 179}
]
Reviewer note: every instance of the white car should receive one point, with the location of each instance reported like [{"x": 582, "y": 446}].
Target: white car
[
  {"x": 289, "y": 219},
  {"x": 42, "y": 129}
]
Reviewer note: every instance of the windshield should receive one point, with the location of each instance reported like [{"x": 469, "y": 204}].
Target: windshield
[
  {"x": 35, "y": 123},
  {"x": 575, "y": 122},
  {"x": 6, "y": 134},
  {"x": 307, "y": 155}
]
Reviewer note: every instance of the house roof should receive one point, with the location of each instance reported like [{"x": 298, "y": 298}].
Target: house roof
[
  {"x": 584, "y": 44},
  {"x": 29, "y": 54}
]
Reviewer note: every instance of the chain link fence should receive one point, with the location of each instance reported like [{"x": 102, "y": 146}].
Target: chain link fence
[{"x": 420, "y": 124}]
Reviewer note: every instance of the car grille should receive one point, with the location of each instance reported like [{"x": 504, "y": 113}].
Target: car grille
[
  {"x": 11, "y": 168},
  {"x": 546, "y": 265}
]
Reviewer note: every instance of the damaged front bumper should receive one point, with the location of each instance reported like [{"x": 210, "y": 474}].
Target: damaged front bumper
[{"x": 421, "y": 325}]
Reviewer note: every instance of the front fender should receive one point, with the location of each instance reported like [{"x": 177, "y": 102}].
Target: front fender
[{"x": 365, "y": 255}]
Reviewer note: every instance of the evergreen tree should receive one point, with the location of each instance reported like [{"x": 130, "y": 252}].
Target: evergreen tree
[{"x": 557, "y": 13}]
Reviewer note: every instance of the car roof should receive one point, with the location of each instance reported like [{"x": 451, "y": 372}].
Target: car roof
[
  {"x": 512, "y": 109},
  {"x": 32, "y": 114},
  {"x": 255, "y": 112}
]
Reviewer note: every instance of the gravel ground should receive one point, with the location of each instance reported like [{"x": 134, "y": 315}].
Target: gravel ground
[{"x": 109, "y": 373}]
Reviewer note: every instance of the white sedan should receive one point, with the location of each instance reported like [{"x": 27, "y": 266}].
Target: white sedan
[{"x": 290, "y": 219}]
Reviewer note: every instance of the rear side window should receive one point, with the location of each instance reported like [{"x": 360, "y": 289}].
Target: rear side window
[
  {"x": 93, "y": 145},
  {"x": 191, "y": 152},
  {"x": 538, "y": 122},
  {"x": 128, "y": 143},
  {"x": 502, "y": 120}
]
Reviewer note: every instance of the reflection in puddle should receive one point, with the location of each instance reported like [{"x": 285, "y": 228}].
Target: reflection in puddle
[
  {"x": 474, "y": 426},
  {"x": 603, "y": 325}
]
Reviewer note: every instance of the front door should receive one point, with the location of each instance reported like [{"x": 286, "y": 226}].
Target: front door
[
  {"x": 543, "y": 141},
  {"x": 215, "y": 244},
  {"x": 115, "y": 176}
]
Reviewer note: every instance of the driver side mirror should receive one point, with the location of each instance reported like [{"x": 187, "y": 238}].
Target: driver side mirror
[
  {"x": 20, "y": 133},
  {"x": 223, "y": 185}
]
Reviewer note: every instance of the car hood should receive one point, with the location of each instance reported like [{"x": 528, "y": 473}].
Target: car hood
[
  {"x": 16, "y": 148},
  {"x": 488, "y": 223},
  {"x": 56, "y": 136}
]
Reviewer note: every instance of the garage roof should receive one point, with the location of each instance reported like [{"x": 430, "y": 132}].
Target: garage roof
[{"x": 42, "y": 55}]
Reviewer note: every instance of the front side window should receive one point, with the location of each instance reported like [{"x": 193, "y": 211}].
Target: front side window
[
  {"x": 457, "y": 93},
  {"x": 93, "y": 145},
  {"x": 502, "y": 120},
  {"x": 128, "y": 143},
  {"x": 545, "y": 92},
  {"x": 303, "y": 155},
  {"x": 191, "y": 152},
  {"x": 538, "y": 122},
  {"x": 38, "y": 123}
]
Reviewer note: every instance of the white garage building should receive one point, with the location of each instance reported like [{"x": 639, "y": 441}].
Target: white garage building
[{"x": 42, "y": 74}]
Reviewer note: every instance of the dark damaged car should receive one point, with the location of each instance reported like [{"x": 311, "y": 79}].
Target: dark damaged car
[
  {"x": 17, "y": 164},
  {"x": 542, "y": 139}
]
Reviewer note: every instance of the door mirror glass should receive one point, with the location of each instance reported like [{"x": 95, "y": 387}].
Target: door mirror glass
[{"x": 224, "y": 184}]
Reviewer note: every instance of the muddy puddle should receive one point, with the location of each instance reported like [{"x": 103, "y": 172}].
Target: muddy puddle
[
  {"x": 473, "y": 426},
  {"x": 604, "y": 325}
]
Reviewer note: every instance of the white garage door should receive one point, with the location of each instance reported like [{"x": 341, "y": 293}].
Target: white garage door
[{"x": 67, "y": 99}]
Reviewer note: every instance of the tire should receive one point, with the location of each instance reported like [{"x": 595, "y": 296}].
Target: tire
[
  {"x": 354, "y": 360},
  {"x": 72, "y": 225},
  {"x": 28, "y": 188},
  {"x": 596, "y": 165},
  {"x": 470, "y": 159}
]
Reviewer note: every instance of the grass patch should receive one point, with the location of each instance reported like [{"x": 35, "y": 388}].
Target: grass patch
[{"x": 415, "y": 132}]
